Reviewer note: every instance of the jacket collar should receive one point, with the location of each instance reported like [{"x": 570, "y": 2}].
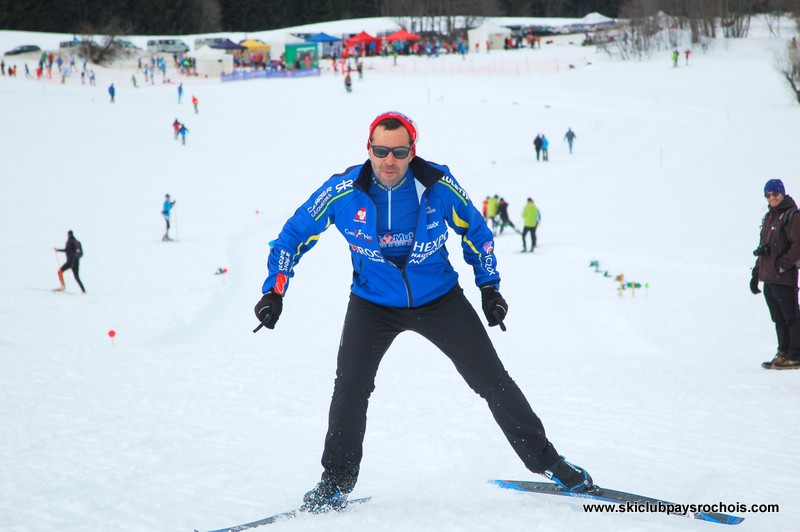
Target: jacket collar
[{"x": 423, "y": 172}]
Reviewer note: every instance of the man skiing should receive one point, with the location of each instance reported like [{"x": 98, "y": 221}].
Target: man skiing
[
  {"x": 168, "y": 204},
  {"x": 394, "y": 210},
  {"x": 74, "y": 251}
]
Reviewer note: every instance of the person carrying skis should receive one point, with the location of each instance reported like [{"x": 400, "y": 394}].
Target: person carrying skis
[
  {"x": 74, "y": 251},
  {"x": 778, "y": 253},
  {"x": 394, "y": 211},
  {"x": 168, "y": 204}
]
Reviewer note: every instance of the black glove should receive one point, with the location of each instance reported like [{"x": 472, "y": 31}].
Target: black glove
[
  {"x": 494, "y": 306},
  {"x": 754, "y": 282},
  {"x": 268, "y": 310}
]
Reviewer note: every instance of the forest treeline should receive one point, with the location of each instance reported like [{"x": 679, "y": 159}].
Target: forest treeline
[{"x": 181, "y": 17}]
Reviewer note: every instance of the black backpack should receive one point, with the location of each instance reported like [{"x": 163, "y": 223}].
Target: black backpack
[{"x": 78, "y": 249}]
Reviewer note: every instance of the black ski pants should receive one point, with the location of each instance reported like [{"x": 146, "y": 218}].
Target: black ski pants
[
  {"x": 74, "y": 265},
  {"x": 784, "y": 311},
  {"x": 452, "y": 325},
  {"x": 525, "y": 231}
]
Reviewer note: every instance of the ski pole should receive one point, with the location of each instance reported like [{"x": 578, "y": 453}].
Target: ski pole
[{"x": 499, "y": 318}]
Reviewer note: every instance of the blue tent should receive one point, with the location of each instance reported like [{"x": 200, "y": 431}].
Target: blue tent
[
  {"x": 330, "y": 45},
  {"x": 323, "y": 38}
]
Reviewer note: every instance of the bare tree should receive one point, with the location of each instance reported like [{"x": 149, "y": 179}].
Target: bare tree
[{"x": 789, "y": 66}]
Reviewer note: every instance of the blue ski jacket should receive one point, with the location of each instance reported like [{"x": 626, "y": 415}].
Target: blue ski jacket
[{"x": 343, "y": 201}]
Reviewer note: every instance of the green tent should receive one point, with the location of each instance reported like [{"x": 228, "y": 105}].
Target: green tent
[{"x": 302, "y": 56}]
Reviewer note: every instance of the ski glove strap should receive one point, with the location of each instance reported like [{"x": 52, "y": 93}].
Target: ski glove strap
[
  {"x": 268, "y": 310},
  {"x": 494, "y": 306}
]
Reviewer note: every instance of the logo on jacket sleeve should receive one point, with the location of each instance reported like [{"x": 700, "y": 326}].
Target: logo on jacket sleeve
[
  {"x": 361, "y": 216},
  {"x": 280, "y": 284},
  {"x": 488, "y": 247}
]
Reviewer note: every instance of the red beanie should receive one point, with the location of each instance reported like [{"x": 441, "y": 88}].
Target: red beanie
[{"x": 406, "y": 121}]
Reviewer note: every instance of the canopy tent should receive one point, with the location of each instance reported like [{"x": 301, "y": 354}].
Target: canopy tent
[
  {"x": 278, "y": 42},
  {"x": 254, "y": 46},
  {"x": 594, "y": 19},
  {"x": 210, "y": 62},
  {"x": 403, "y": 35},
  {"x": 227, "y": 44},
  {"x": 488, "y": 34},
  {"x": 322, "y": 37},
  {"x": 364, "y": 41},
  {"x": 330, "y": 45}
]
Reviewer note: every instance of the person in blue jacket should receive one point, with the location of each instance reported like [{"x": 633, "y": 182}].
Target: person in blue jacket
[
  {"x": 394, "y": 211},
  {"x": 169, "y": 203}
]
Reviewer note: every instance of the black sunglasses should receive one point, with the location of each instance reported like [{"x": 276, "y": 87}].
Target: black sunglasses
[{"x": 381, "y": 152}]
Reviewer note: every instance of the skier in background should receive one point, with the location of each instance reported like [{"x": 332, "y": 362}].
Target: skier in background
[
  {"x": 502, "y": 211},
  {"x": 537, "y": 144},
  {"x": 168, "y": 204},
  {"x": 74, "y": 251},
  {"x": 176, "y": 127},
  {"x": 112, "y": 92},
  {"x": 195, "y": 101},
  {"x": 530, "y": 221},
  {"x": 180, "y": 92},
  {"x": 348, "y": 83},
  {"x": 545, "y": 147},
  {"x": 182, "y": 131},
  {"x": 404, "y": 281},
  {"x": 570, "y": 137}
]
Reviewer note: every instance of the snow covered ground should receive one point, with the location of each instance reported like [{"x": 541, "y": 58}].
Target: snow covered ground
[{"x": 188, "y": 420}]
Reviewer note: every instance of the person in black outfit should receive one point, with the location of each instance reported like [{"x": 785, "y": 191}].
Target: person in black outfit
[
  {"x": 502, "y": 210},
  {"x": 74, "y": 251},
  {"x": 537, "y": 144}
]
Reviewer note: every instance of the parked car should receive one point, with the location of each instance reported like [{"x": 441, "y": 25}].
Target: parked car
[
  {"x": 125, "y": 45},
  {"x": 24, "y": 49},
  {"x": 75, "y": 43},
  {"x": 208, "y": 41},
  {"x": 171, "y": 46}
]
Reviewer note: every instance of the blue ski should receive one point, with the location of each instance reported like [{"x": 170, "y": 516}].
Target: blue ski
[
  {"x": 632, "y": 501},
  {"x": 283, "y": 516}
]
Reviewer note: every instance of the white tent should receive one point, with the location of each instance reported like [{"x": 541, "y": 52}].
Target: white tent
[
  {"x": 488, "y": 32},
  {"x": 278, "y": 42},
  {"x": 210, "y": 62},
  {"x": 596, "y": 19}
]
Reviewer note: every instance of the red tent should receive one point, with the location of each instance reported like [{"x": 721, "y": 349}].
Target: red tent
[
  {"x": 403, "y": 35},
  {"x": 364, "y": 39}
]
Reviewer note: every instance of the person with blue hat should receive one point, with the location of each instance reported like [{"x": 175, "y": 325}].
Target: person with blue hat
[{"x": 777, "y": 257}]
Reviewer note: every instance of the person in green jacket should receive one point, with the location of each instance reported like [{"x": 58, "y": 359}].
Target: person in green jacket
[
  {"x": 530, "y": 220},
  {"x": 492, "y": 209}
]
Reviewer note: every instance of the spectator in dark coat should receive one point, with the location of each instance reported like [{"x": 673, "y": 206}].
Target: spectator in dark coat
[{"x": 778, "y": 253}]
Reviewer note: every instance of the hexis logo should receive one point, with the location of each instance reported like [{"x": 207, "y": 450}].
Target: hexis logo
[
  {"x": 361, "y": 215},
  {"x": 488, "y": 247}
]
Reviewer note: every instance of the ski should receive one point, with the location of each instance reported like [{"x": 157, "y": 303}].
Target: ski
[
  {"x": 630, "y": 500},
  {"x": 283, "y": 516}
]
